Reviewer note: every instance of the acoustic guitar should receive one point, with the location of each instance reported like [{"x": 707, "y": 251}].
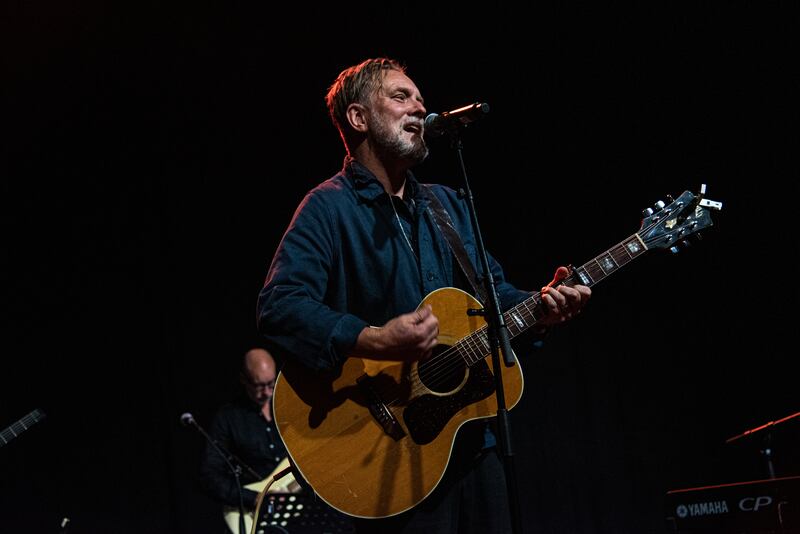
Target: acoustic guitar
[{"x": 374, "y": 438}]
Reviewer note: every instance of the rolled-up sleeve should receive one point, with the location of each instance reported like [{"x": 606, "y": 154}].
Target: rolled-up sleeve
[{"x": 292, "y": 315}]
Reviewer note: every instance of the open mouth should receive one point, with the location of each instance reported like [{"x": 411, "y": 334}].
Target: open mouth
[{"x": 413, "y": 128}]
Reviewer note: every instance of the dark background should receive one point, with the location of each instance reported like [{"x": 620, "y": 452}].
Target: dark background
[{"x": 153, "y": 155}]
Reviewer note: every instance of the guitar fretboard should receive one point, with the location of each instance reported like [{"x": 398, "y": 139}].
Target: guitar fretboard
[
  {"x": 20, "y": 426},
  {"x": 474, "y": 347}
]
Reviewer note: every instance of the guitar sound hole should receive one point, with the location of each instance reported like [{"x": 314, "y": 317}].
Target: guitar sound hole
[{"x": 442, "y": 372}]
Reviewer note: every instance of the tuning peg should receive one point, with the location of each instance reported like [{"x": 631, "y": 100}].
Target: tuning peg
[
  {"x": 660, "y": 205},
  {"x": 680, "y": 245},
  {"x": 647, "y": 212}
]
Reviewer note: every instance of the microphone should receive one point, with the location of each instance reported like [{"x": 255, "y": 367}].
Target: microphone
[
  {"x": 436, "y": 125},
  {"x": 187, "y": 419}
]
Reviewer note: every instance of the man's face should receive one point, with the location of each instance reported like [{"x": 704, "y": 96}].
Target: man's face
[
  {"x": 259, "y": 383},
  {"x": 397, "y": 115}
]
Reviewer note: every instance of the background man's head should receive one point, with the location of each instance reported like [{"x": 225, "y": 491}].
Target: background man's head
[{"x": 258, "y": 375}]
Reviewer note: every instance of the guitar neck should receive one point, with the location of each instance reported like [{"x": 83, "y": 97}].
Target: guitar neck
[
  {"x": 20, "y": 426},
  {"x": 529, "y": 312},
  {"x": 532, "y": 310}
]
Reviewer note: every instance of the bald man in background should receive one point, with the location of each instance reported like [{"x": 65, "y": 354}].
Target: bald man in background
[{"x": 245, "y": 427}]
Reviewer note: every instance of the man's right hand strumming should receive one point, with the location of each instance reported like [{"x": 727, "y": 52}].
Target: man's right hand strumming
[{"x": 407, "y": 337}]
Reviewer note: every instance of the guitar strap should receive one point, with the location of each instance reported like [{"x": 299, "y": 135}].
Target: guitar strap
[{"x": 448, "y": 231}]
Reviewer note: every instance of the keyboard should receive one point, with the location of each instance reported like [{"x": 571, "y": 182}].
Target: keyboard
[{"x": 770, "y": 506}]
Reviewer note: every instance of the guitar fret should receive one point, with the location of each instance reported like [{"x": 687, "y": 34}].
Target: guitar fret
[
  {"x": 597, "y": 271},
  {"x": 608, "y": 264},
  {"x": 524, "y": 303},
  {"x": 584, "y": 276},
  {"x": 515, "y": 321},
  {"x": 528, "y": 312},
  {"x": 473, "y": 356},
  {"x": 481, "y": 335},
  {"x": 628, "y": 250},
  {"x": 480, "y": 345},
  {"x": 14, "y": 430},
  {"x": 620, "y": 255},
  {"x": 633, "y": 246},
  {"x": 463, "y": 351},
  {"x": 476, "y": 349},
  {"x": 538, "y": 312}
]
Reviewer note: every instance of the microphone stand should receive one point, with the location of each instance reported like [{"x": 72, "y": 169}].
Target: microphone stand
[
  {"x": 766, "y": 450},
  {"x": 497, "y": 333},
  {"x": 235, "y": 469}
]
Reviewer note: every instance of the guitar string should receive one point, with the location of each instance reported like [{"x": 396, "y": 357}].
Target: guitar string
[
  {"x": 447, "y": 364},
  {"x": 444, "y": 366},
  {"x": 445, "y": 358},
  {"x": 30, "y": 419}
]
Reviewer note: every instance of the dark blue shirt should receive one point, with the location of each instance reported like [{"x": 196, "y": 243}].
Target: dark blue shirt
[
  {"x": 241, "y": 429},
  {"x": 344, "y": 264}
]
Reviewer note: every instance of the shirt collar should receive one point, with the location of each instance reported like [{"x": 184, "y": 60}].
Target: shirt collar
[{"x": 367, "y": 185}]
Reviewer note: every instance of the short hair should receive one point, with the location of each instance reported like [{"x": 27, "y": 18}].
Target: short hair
[{"x": 355, "y": 85}]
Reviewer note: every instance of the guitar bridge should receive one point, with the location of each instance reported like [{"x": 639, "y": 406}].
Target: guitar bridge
[{"x": 382, "y": 414}]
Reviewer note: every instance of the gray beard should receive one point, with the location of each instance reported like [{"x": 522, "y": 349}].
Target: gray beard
[{"x": 390, "y": 144}]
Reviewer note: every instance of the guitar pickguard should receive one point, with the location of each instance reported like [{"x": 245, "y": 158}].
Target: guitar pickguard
[{"x": 426, "y": 415}]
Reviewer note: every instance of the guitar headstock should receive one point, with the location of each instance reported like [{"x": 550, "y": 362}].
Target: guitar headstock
[{"x": 670, "y": 226}]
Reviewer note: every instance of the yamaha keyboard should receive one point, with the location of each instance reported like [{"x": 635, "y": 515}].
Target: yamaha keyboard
[{"x": 769, "y": 506}]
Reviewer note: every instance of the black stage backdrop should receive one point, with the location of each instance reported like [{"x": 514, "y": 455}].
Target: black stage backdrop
[{"x": 153, "y": 156}]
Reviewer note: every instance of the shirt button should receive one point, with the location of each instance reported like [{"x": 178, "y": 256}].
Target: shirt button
[{"x": 271, "y": 446}]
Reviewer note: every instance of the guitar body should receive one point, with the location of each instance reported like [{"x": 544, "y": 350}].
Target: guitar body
[{"x": 374, "y": 438}]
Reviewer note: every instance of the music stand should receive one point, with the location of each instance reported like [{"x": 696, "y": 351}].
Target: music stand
[{"x": 298, "y": 513}]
